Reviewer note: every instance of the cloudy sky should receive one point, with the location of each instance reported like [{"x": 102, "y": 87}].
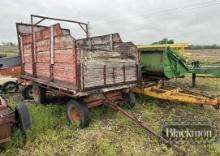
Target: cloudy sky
[{"x": 140, "y": 21}]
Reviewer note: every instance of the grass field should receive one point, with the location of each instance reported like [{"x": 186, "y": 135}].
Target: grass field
[
  {"x": 8, "y": 50},
  {"x": 110, "y": 133}
]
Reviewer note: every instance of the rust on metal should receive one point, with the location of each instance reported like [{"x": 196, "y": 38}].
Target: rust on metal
[
  {"x": 165, "y": 92},
  {"x": 14, "y": 71},
  {"x": 6, "y": 119},
  {"x": 115, "y": 106},
  {"x": 93, "y": 100},
  {"x": 75, "y": 114}
]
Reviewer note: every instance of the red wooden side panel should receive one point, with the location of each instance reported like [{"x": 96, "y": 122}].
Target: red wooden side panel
[
  {"x": 43, "y": 70},
  {"x": 27, "y": 59},
  {"x": 66, "y": 56},
  {"x": 43, "y": 34},
  {"x": 43, "y": 45},
  {"x": 43, "y": 57},
  {"x": 61, "y": 68},
  {"x": 64, "y": 73},
  {"x": 28, "y": 68},
  {"x": 64, "y": 60}
]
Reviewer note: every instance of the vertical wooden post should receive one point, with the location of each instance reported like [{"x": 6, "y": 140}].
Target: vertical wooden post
[
  {"x": 33, "y": 48},
  {"x": 104, "y": 74},
  {"x": 51, "y": 52},
  {"x": 111, "y": 42},
  {"x": 113, "y": 74},
  {"x": 124, "y": 73},
  {"x": 83, "y": 87},
  {"x": 21, "y": 54}
]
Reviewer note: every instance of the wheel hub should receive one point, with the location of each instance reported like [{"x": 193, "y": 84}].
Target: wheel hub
[{"x": 75, "y": 115}]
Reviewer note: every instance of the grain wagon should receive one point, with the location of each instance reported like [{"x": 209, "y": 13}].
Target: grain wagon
[{"x": 90, "y": 70}]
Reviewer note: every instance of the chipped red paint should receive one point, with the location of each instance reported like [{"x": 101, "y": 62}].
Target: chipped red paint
[
  {"x": 43, "y": 34},
  {"x": 14, "y": 71},
  {"x": 64, "y": 55}
]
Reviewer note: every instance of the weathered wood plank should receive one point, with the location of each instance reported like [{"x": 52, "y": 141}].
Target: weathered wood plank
[
  {"x": 43, "y": 57},
  {"x": 43, "y": 70},
  {"x": 94, "y": 53},
  {"x": 64, "y": 56}
]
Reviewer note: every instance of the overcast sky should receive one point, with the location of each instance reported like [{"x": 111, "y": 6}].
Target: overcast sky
[{"x": 140, "y": 21}]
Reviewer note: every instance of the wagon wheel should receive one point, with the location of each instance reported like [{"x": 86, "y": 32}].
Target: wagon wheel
[
  {"x": 22, "y": 116},
  {"x": 10, "y": 87},
  {"x": 78, "y": 113},
  {"x": 23, "y": 121},
  {"x": 39, "y": 94},
  {"x": 27, "y": 92},
  {"x": 130, "y": 99}
]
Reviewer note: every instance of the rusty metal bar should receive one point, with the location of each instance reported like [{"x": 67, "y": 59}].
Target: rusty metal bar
[
  {"x": 64, "y": 20},
  {"x": 58, "y": 19},
  {"x": 116, "y": 107},
  {"x": 146, "y": 127},
  {"x": 32, "y": 49},
  {"x": 83, "y": 28},
  {"x": 83, "y": 83},
  {"x": 19, "y": 47},
  {"x": 39, "y": 21}
]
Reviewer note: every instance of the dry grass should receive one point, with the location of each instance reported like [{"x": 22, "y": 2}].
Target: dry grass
[{"x": 204, "y": 55}]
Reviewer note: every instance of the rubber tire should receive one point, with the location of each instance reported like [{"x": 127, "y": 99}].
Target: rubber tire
[
  {"x": 131, "y": 99},
  {"x": 22, "y": 116},
  {"x": 25, "y": 92},
  {"x": 83, "y": 110},
  {"x": 39, "y": 94},
  {"x": 6, "y": 84}
]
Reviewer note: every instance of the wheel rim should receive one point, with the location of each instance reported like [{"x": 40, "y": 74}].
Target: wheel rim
[
  {"x": 30, "y": 93},
  {"x": 36, "y": 93},
  {"x": 75, "y": 114}
]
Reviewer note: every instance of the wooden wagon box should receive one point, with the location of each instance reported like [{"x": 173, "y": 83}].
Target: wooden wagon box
[{"x": 52, "y": 56}]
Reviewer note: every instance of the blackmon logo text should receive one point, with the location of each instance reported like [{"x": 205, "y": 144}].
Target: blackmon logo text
[{"x": 191, "y": 132}]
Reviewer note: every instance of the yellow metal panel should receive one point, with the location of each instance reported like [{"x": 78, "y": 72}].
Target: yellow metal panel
[
  {"x": 176, "y": 94},
  {"x": 174, "y": 45},
  {"x": 179, "y": 47}
]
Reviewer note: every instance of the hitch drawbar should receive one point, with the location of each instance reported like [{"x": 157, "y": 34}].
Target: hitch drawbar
[
  {"x": 9, "y": 118},
  {"x": 115, "y": 106}
]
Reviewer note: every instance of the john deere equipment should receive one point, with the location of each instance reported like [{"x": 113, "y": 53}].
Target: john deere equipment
[{"x": 160, "y": 62}]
